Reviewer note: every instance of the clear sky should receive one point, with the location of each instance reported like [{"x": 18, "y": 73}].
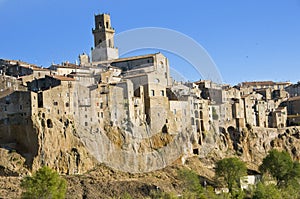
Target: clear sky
[{"x": 248, "y": 40}]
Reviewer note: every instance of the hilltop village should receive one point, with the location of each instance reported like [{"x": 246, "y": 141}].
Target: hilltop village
[{"x": 129, "y": 100}]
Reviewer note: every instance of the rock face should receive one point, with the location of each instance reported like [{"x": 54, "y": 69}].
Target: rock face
[
  {"x": 122, "y": 148},
  {"x": 69, "y": 148},
  {"x": 66, "y": 146},
  {"x": 44, "y": 141},
  {"x": 251, "y": 144}
]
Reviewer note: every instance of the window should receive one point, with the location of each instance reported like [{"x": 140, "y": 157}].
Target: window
[
  {"x": 192, "y": 121},
  {"x": 21, "y": 107},
  {"x": 55, "y": 103},
  {"x": 152, "y": 93},
  {"x": 162, "y": 93},
  {"x": 67, "y": 104},
  {"x": 85, "y": 123},
  {"x": 161, "y": 64}
]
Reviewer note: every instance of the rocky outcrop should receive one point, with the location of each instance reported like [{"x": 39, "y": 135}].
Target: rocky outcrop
[
  {"x": 66, "y": 146},
  {"x": 251, "y": 144},
  {"x": 44, "y": 141},
  {"x": 135, "y": 149}
]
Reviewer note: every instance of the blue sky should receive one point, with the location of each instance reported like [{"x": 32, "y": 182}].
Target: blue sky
[{"x": 248, "y": 40}]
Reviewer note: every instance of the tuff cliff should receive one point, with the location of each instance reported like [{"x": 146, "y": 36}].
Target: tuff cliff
[
  {"x": 67, "y": 147},
  {"x": 44, "y": 140},
  {"x": 58, "y": 143},
  {"x": 251, "y": 144}
]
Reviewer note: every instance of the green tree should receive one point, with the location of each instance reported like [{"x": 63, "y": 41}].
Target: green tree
[
  {"x": 229, "y": 171},
  {"x": 263, "y": 191},
  {"x": 280, "y": 166},
  {"x": 44, "y": 184},
  {"x": 291, "y": 191},
  {"x": 191, "y": 183}
]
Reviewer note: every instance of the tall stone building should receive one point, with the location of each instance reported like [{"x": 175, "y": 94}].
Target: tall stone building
[{"x": 104, "y": 47}]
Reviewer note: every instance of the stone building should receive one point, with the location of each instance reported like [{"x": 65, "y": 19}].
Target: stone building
[
  {"x": 19, "y": 69},
  {"x": 265, "y": 84},
  {"x": 279, "y": 117},
  {"x": 293, "y": 90},
  {"x": 104, "y": 48}
]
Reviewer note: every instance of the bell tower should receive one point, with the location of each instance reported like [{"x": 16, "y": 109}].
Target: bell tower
[{"x": 104, "y": 47}]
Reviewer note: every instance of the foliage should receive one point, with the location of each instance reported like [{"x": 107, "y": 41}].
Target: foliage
[
  {"x": 45, "y": 183},
  {"x": 290, "y": 191},
  {"x": 263, "y": 191},
  {"x": 191, "y": 182},
  {"x": 126, "y": 196},
  {"x": 161, "y": 195},
  {"x": 229, "y": 171},
  {"x": 281, "y": 166}
]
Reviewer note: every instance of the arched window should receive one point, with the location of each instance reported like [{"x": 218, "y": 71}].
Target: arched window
[
  {"x": 196, "y": 114},
  {"x": 161, "y": 64},
  {"x": 201, "y": 115},
  {"x": 193, "y": 121}
]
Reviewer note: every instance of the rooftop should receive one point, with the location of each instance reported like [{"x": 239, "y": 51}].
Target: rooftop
[
  {"x": 63, "y": 78},
  {"x": 297, "y": 98},
  {"x": 264, "y": 83},
  {"x": 127, "y": 58}
]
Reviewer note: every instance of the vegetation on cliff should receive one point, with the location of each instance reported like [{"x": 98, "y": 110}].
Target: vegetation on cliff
[{"x": 45, "y": 183}]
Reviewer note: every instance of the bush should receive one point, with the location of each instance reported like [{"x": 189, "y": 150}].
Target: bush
[
  {"x": 281, "y": 166},
  {"x": 45, "y": 183},
  {"x": 266, "y": 192}
]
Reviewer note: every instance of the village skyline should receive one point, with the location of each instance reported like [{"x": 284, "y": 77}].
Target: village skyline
[{"x": 249, "y": 41}]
